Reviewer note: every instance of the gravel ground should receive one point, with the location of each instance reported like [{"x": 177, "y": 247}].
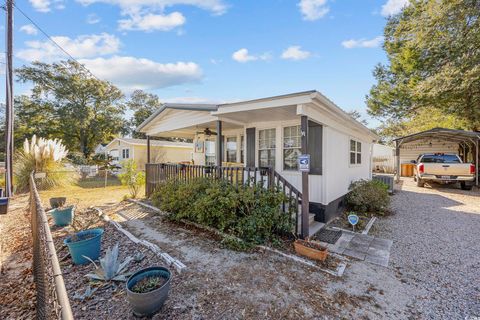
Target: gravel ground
[{"x": 436, "y": 249}]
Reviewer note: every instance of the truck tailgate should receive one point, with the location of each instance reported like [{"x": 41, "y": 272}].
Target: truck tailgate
[{"x": 448, "y": 169}]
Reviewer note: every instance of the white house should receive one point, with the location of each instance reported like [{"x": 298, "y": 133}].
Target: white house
[
  {"x": 121, "y": 149},
  {"x": 273, "y": 132}
]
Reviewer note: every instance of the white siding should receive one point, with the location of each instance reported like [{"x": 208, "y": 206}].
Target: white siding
[
  {"x": 339, "y": 172},
  {"x": 411, "y": 150}
]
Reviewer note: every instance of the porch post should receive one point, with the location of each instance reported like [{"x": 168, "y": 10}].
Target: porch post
[
  {"x": 148, "y": 149},
  {"x": 305, "y": 192},
  {"x": 476, "y": 161},
  {"x": 219, "y": 145},
  {"x": 397, "y": 161}
]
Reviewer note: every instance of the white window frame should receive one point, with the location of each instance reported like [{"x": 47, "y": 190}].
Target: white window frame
[
  {"x": 357, "y": 152},
  {"x": 283, "y": 146},
  {"x": 226, "y": 148},
  {"x": 126, "y": 151},
  {"x": 274, "y": 148}
]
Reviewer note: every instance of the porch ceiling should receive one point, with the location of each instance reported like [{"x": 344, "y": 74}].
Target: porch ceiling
[
  {"x": 189, "y": 132},
  {"x": 261, "y": 115}
]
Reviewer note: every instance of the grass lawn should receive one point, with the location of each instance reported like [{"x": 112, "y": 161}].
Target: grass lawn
[{"x": 90, "y": 192}]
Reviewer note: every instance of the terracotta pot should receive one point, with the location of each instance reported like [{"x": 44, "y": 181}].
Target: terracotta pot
[{"x": 320, "y": 253}]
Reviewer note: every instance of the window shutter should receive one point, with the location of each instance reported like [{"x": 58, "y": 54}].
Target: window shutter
[{"x": 315, "y": 147}]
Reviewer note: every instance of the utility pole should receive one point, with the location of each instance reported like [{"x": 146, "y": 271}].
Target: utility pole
[{"x": 9, "y": 102}]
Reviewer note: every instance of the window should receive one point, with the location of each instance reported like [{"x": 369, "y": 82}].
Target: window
[
  {"x": 210, "y": 153},
  {"x": 355, "y": 152},
  {"x": 125, "y": 153},
  {"x": 291, "y": 147},
  {"x": 266, "y": 148},
  {"x": 231, "y": 149},
  {"x": 242, "y": 148}
]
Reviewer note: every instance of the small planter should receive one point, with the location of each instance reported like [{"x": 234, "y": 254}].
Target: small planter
[
  {"x": 148, "y": 303},
  {"x": 310, "y": 250},
  {"x": 57, "y": 202},
  {"x": 84, "y": 243},
  {"x": 63, "y": 217},
  {"x": 4, "y": 205}
]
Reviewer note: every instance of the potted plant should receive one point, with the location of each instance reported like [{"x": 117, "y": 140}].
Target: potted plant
[
  {"x": 310, "y": 249},
  {"x": 57, "y": 202},
  {"x": 63, "y": 216},
  {"x": 147, "y": 290},
  {"x": 84, "y": 244},
  {"x": 4, "y": 205}
]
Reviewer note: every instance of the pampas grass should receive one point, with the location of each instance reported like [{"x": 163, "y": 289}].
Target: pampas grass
[{"x": 42, "y": 155}]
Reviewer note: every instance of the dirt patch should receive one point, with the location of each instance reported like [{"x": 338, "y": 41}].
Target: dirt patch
[{"x": 16, "y": 286}]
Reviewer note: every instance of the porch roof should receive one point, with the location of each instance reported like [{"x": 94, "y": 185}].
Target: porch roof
[{"x": 443, "y": 134}]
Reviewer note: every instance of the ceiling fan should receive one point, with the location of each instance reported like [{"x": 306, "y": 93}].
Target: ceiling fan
[{"x": 207, "y": 132}]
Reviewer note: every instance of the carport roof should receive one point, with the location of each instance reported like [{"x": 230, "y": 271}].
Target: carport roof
[{"x": 441, "y": 133}]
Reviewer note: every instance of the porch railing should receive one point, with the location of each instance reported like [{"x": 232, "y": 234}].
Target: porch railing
[{"x": 156, "y": 173}]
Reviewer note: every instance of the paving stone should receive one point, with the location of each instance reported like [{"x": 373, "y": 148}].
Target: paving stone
[
  {"x": 374, "y": 252},
  {"x": 381, "y": 261},
  {"x": 360, "y": 247},
  {"x": 354, "y": 254},
  {"x": 383, "y": 244}
]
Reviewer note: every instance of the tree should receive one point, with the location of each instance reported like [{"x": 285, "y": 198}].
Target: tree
[
  {"x": 88, "y": 110},
  {"x": 434, "y": 62},
  {"x": 142, "y": 104},
  {"x": 355, "y": 114},
  {"x": 424, "y": 119}
]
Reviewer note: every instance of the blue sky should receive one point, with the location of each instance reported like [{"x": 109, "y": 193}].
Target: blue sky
[{"x": 215, "y": 50}]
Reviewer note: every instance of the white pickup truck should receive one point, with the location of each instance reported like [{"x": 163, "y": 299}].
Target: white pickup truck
[{"x": 443, "y": 168}]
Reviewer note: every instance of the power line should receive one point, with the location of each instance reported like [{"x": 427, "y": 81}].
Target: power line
[{"x": 54, "y": 42}]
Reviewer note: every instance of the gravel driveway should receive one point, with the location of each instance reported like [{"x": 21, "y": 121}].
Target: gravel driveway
[{"x": 436, "y": 249}]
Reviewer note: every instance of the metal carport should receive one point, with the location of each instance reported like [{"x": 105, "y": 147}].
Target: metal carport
[{"x": 468, "y": 140}]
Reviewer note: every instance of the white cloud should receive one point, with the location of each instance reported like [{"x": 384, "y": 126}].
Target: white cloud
[
  {"x": 392, "y": 7},
  {"x": 130, "y": 73},
  {"x": 45, "y": 5},
  {"x": 150, "y": 15},
  {"x": 363, "y": 43},
  {"x": 29, "y": 29},
  {"x": 151, "y": 22},
  {"x": 295, "y": 53},
  {"x": 313, "y": 9},
  {"x": 84, "y": 46},
  {"x": 243, "y": 56},
  {"x": 92, "y": 18}
]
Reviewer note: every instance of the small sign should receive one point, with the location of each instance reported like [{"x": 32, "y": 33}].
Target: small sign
[
  {"x": 40, "y": 175},
  {"x": 304, "y": 163},
  {"x": 353, "y": 219}
]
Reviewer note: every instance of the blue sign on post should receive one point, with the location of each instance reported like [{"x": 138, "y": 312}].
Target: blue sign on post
[
  {"x": 304, "y": 163},
  {"x": 353, "y": 220}
]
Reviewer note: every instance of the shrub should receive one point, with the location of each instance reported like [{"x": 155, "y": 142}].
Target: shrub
[
  {"x": 368, "y": 196},
  {"x": 132, "y": 178},
  {"x": 250, "y": 213},
  {"x": 41, "y": 155}
]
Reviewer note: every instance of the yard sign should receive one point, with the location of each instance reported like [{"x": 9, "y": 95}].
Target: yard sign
[
  {"x": 304, "y": 163},
  {"x": 353, "y": 220}
]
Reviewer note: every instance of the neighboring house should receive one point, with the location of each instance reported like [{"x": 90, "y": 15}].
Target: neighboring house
[
  {"x": 121, "y": 149},
  {"x": 383, "y": 158},
  {"x": 269, "y": 132},
  {"x": 100, "y": 148}
]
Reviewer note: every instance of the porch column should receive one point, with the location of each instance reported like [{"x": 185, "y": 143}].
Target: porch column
[
  {"x": 148, "y": 149},
  {"x": 397, "y": 161},
  {"x": 305, "y": 192},
  {"x": 219, "y": 145},
  {"x": 476, "y": 161}
]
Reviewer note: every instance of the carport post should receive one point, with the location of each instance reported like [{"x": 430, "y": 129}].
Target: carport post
[
  {"x": 476, "y": 162},
  {"x": 397, "y": 161},
  {"x": 148, "y": 149}
]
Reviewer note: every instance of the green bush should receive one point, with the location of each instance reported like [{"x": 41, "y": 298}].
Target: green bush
[
  {"x": 368, "y": 196},
  {"x": 250, "y": 213},
  {"x": 132, "y": 178}
]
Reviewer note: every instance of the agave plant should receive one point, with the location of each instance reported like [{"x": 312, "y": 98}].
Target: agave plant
[
  {"x": 110, "y": 266},
  {"x": 86, "y": 295}
]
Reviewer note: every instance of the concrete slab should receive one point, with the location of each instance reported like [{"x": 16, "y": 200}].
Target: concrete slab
[
  {"x": 357, "y": 246},
  {"x": 355, "y": 254},
  {"x": 383, "y": 244},
  {"x": 381, "y": 261},
  {"x": 374, "y": 252}
]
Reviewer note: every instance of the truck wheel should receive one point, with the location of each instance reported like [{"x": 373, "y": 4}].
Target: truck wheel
[
  {"x": 465, "y": 186},
  {"x": 420, "y": 183}
]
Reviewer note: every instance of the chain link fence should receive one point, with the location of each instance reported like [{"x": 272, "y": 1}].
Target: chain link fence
[{"x": 52, "y": 298}]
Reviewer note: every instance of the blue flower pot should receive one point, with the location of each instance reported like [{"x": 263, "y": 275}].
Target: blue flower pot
[
  {"x": 85, "y": 243},
  {"x": 148, "y": 303},
  {"x": 63, "y": 217},
  {"x": 4, "y": 205}
]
